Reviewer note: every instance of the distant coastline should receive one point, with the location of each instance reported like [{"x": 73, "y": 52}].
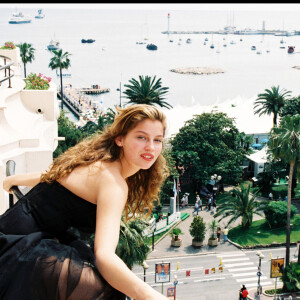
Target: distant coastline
[{"x": 198, "y": 70}]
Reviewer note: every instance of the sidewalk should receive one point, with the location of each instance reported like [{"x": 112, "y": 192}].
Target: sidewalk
[
  {"x": 163, "y": 247},
  {"x": 253, "y": 295}
]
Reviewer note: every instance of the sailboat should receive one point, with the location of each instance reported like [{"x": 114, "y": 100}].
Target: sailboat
[{"x": 40, "y": 14}]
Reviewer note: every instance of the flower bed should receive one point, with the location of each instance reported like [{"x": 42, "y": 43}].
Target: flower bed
[
  {"x": 37, "y": 82},
  {"x": 8, "y": 46}
]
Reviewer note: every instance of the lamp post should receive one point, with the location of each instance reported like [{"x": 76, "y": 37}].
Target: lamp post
[
  {"x": 216, "y": 179},
  {"x": 260, "y": 256},
  {"x": 145, "y": 267},
  {"x": 175, "y": 283}
]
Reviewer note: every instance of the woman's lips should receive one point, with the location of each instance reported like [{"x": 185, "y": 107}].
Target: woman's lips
[{"x": 147, "y": 156}]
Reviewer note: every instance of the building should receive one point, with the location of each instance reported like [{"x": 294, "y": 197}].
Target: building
[{"x": 28, "y": 122}]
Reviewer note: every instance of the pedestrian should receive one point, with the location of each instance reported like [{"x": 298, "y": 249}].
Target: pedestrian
[
  {"x": 90, "y": 186},
  {"x": 214, "y": 204},
  {"x": 198, "y": 199},
  {"x": 243, "y": 293},
  {"x": 225, "y": 233},
  {"x": 183, "y": 201},
  {"x": 279, "y": 198},
  {"x": 196, "y": 209},
  {"x": 219, "y": 233},
  {"x": 270, "y": 196},
  {"x": 210, "y": 200}
]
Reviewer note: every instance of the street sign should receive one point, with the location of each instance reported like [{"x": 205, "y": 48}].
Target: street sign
[
  {"x": 188, "y": 273},
  {"x": 259, "y": 273},
  {"x": 170, "y": 291},
  {"x": 277, "y": 267}
]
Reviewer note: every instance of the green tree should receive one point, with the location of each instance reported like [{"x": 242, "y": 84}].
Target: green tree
[
  {"x": 132, "y": 248},
  {"x": 60, "y": 61},
  {"x": 285, "y": 144},
  {"x": 271, "y": 102},
  {"x": 209, "y": 144},
  {"x": 146, "y": 91},
  {"x": 27, "y": 54},
  {"x": 291, "y": 277},
  {"x": 291, "y": 107},
  {"x": 67, "y": 129},
  {"x": 197, "y": 229},
  {"x": 242, "y": 205}
]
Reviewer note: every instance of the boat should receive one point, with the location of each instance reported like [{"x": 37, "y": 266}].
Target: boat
[
  {"x": 258, "y": 52},
  {"x": 253, "y": 48},
  {"x": 212, "y": 46},
  {"x": 206, "y": 39},
  {"x": 89, "y": 41},
  {"x": 151, "y": 47},
  {"x": 19, "y": 18},
  {"x": 188, "y": 41},
  {"x": 53, "y": 45},
  {"x": 40, "y": 14},
  {"x": 291, "y": 49},
  {"x": 232, "y": 42}
]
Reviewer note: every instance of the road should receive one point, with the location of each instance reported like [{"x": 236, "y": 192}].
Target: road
[{"x": 239, "y": 267}]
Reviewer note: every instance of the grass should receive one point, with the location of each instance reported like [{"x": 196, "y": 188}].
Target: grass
[{"x": 260, "y": 233}]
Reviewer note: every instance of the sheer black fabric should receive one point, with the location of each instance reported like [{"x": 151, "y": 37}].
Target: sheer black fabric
[{"x": 42, "y": 257}]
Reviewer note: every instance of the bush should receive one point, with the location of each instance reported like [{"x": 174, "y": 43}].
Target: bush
[
  {"x": 291, "y": 278},
  {"x": 198, "y": 229},
  {"x": 8, "y": 46},
  {"x": 275, "y": 213},
  {"x": 37, "y": 82}
]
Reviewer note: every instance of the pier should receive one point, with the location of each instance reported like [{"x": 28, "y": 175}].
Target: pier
[{"x": 81, "y": 105}]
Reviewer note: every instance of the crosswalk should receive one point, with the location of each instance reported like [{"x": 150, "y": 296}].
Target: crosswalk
[{"x": 243, "y": 270}]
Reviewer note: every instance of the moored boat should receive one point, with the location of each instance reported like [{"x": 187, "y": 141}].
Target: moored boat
[
  {"x": 53, "y": 45},
  {"x": 291, "y": 49},
  {"x": 19, "y": 18},
  {"x": 40, "y": 14},
  {"x": 151, "y": 47}
]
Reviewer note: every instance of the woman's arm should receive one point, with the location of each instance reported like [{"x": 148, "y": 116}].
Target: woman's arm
[
  {"x": 29, "y": 179},
  {"x": 110, "y": 203}
]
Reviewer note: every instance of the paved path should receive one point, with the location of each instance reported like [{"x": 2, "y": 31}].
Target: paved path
[{"x": 163, "y": 247}]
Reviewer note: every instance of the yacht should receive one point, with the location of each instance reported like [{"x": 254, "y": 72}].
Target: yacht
[
  {"x": 188, "y": 41},
  {"x": 253, "y": 48},
  {"x": 53, "y": 45},
  {"x": 19, "y": 18},
  {"x": 40, "y": 14}
]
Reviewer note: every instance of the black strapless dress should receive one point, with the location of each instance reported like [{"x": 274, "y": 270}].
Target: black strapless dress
[{"x": 40, "y": 256}]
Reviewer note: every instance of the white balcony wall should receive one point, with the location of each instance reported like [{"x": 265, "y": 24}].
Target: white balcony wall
[{"x": 28, "y": 125}]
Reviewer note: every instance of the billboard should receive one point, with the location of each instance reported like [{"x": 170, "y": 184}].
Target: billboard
[
  {"x": 277, "y": 267},
  {"x": 162, "y": 272}
]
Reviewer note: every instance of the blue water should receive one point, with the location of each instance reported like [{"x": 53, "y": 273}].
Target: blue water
[{"x": 115, "y": 57}]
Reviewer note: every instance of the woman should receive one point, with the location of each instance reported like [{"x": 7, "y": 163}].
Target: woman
[{"x": 89, "y": 186}]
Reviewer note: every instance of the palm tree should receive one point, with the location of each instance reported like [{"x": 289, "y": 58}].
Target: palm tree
[
  {"x": 27, "y": 54},
  {"x": 60, "y": 61},
  {"x": 132, "y": 248},
  {"x": 240, "y": 205},
  {"x": 271, "y": 102},
  {"x": 285, "y": 144},
  {"x": 146, "y": 91}
]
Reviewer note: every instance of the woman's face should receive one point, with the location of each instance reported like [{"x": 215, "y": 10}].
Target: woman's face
[{"x": 142, "y": 145}]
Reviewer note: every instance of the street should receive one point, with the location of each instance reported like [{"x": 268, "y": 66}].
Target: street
[{"x": 239, "y": 267}]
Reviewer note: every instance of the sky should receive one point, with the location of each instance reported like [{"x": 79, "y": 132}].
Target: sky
[{"x": 163, "y": 6}]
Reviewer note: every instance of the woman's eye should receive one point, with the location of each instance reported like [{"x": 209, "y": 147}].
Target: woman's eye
[{"x": 158, "y": 141}]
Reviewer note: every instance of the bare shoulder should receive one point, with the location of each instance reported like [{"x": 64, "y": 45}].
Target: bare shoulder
[{"x": 109, "y": 178}]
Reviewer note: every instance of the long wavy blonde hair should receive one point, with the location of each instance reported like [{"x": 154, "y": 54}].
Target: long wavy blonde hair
[{"x": 143, "y": 186}]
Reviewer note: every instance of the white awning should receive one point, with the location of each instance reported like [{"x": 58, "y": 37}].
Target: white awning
[{"x": 259, "y": 157}]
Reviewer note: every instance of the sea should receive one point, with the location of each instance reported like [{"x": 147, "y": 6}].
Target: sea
[{"x": 117, "y": 56}]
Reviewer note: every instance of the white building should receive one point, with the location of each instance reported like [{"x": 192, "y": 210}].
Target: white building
[{"x": 28, "y": 123}]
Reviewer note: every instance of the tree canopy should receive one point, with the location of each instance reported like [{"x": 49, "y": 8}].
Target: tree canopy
[
  {"x": 146, "y": 91},
  {"x": 209, "y": 144}
]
